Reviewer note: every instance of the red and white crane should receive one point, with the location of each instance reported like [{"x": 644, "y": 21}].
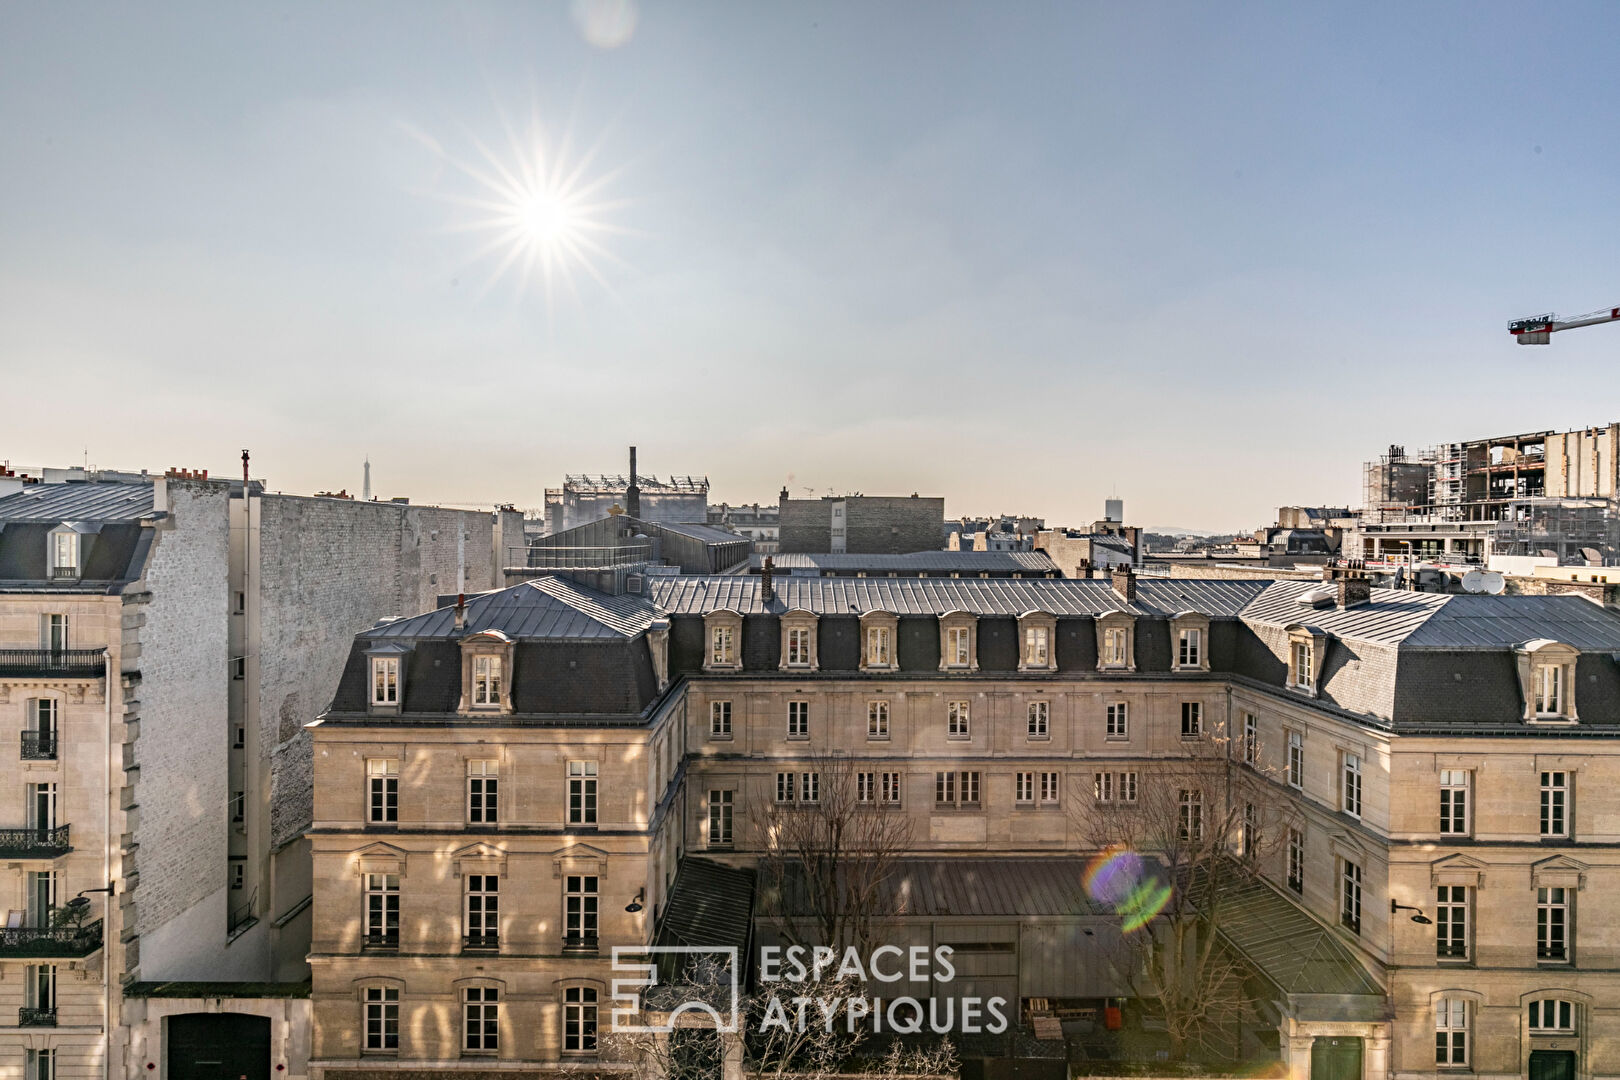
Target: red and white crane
[{"x": 1538, "y": 328}]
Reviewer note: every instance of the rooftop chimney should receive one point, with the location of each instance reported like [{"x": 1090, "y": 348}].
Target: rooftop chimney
[
  {"x": 1350, "y": 579},
  {"x": 632, "y": 494},
  {"x": 767, "y": 588},
  {"x": 1124, "y": 582},
  {"x": 461, "y": 611}
]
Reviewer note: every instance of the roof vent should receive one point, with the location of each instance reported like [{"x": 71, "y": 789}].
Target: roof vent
[
  {"x": 385, "y": 620},
  {"x": 1320, "y": 597}
]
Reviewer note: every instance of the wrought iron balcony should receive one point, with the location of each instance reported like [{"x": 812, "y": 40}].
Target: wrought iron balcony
[
  {"x": 39, "y": 746},
  {"x": 34, "y": 843},
  {"x": 50, "y": 941},
  {"x": 51, "y": 663},
  {"x": 31, "y": 1017},
  {"x": 378, "y": 940},
  {"x": 489, "y": 942},
  {"x": 1451, "y": 950},
  {"x": 579, "y": 943}
]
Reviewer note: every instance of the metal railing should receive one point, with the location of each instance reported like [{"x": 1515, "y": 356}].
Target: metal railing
[
  {"x": 579, "y": 943},
  {"x": 380, "y": 939},
  {"x": 28, "y": 1016},
  {"x": 34, "y": 843},
  {"x": 485, "y": 942},
  {"x": 34, "y": 663},
  {"x": 242, "y": 914},
  {"x": 50, "y": 941},
  {"x": 39, "y": 746},
  {"x": 594, "y": 555}
]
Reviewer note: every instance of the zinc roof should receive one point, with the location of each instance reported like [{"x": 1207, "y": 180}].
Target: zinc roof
[
  {"x": 549, "y": 607},
  {"x": 1029, "y": 562},
  {"x": 78, "y": 501},
  {"x": 1052, "y": 885}
]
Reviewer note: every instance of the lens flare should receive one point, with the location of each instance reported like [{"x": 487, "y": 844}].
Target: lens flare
[{"x": 1123, "y": 881}]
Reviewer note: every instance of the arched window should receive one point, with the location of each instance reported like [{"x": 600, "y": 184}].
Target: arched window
[{"x": 1552, "y": 1014}]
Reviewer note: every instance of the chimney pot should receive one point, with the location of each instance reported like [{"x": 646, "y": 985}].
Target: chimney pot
[
  {"x": 767, "y": 589},
  {"x": 1123, "y": 578}
]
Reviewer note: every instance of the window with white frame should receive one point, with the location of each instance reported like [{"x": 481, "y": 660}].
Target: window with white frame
[
  {"x": 956, "y": 788},
  {"x": 1451, "y": 922},
  {"x": 1119, "y": 721},
  {"x": 39, "y": 1064},
  {"x": 877, "y": 719},
  {"x": 720, "y": 719},
  {"x": 722, "y": 646},
  {"x": 1302, "y": 666},
  {"x": 1554, "y": 804},
  {"x": 1550, "y": 683},
  {"x": 1296, "y": 760},
  {"x": 385, "y": 680},
  {"x": 866, "y": 787},
  {"x": 1051, "y": 788},
  {"x": 382, "y": 1018},
  {"x": 1040, "y": 716},
  {"x": 786, "y": 787},
  {"x": 483, "y": 792},
  {"x": 39, "y": 987},
  {"x": 1249, "y": 832},
  {"x": 956, "y": 719},
  {"x": 810, "y": 787},
  {"x": 580, "y": 909},
  {"x": 1552, "y": 1016},
  {"x": 582, "y": 793},
  {"x": 56, "y": 633},
  {"x": 1454, "y": 784},
  {"x": 1037, "y": 647},
  {"x": 721, "y": 804},
  {"x": 64, "y": 554},
  {"x": 1116, "y": 647},
  {"x": 382, "y": 911},
  {"x": 889, "y": 788},
  {"x": 1251, "y": 739},
  {"x": 481, "y": 1019},
  {"x": 1190, "y": 648},
  {"x": 1025, "y": 788},
  {"x": 1350, "y": 895},
  {"x": 798, "y": 720},
  {"x": 1296, "y": 860},
  {"x": 958, "y": 647},
  {"x": 579, "y": 1020},
  {"x": 1552, "y": 925},
  {"x": 798, "y": 647},
  {"x": 1192, "y": 719},
  {"x": 1451, "y": 1032},
  {"x": 382, "y": 791},
  {"x": 1350, "y": 783},
  {"x": 1190, "y": 815},
  {"x": 483, "y": 911},
  {"x": 486, "y": 681},
  {"x": 1109, "y": 787},
  {"x": 879, "y": 647}
]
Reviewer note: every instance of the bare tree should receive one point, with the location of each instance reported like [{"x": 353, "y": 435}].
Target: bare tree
[
  {"x": 1175, "y": 843},
  {"x": 828, "y": 850}
]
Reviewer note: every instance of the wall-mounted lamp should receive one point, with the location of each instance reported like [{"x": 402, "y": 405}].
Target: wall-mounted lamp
[
  {"x": 1420, "y": 918},
  {"x": 635, "y": 905},
  {"x": 82, "y": 902}
]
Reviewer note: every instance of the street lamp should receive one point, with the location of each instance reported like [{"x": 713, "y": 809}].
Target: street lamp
[{"x": 1420, "y": 918}]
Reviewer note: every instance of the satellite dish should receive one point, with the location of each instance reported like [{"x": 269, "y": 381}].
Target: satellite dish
[
  {"x": 1494, "y": 582},
  {"x": 1474, "y": 581}
]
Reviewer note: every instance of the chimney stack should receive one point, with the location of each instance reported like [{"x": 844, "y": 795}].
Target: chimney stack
[
  {"x": 767, "y": 590},
  {"x": 1124, "y": 582},
  {"x": 461, "y": 611},
  {"x": 1349, "y": 577},
  {"x": 632, "y": 494}
]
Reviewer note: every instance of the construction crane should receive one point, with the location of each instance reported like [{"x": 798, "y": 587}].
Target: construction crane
[{"x": 1537, "y": 329}]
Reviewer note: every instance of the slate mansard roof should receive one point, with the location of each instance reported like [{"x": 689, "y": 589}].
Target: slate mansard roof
[
  {"x": 1410, "y": 661},
  {"x": 1036, "y": 563},
  {"x": 107, "y": 517}
]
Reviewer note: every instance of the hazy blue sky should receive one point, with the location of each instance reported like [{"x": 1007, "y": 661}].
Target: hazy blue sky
[{"x": 1208, "y": 257}]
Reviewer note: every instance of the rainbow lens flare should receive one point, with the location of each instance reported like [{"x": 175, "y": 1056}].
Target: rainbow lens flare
[{"x": 1122, "y": 880}]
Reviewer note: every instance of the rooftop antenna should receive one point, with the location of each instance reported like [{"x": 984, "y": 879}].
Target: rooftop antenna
[{"x": 365, "y": 490}]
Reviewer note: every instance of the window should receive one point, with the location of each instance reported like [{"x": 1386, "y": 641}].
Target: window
[
  {"x": 1040, "y": 715},
  {"x": 39, "y": 738},
  {"x": 720, "y": 718},
  {"x": 1552, "y": 1015},
  {"x": 958, "y": 647},
  {"x": 39, "y": 988},
  {"x": 866, "y": 787},
  {"x": 798, "y": 647},
  {"x": 1552, "y": 925},
  {"x": 42, "y": 807},
  {"x": 720, "y": 810},
  {"x": 1296, "y": 861},
  {"x": 1116, "y": 648},
  {"x": 1050, "y": 788},
  {"x": 385, "y": 680},
  {"x": 1190, "y": 649},
  {"x": 382, "y": 911},
  {"x": 483, "y": 792},
  {"x": 1251, "y": 739},
  {"x": 810, "y": 787},
  {"x": 1454, "y": 802},
  {"x": 1350, "y": 784},
  {"x": 1451, "y": 922},
  {"x": 877, "y": 720},
  {"x": 39, "y": 1064},
  {"x": 723, "y": 646},
  {"x": 1554, "y": 804},
  {"x": 1190, "y": 815},
  {"x": 970, "y": 787},
  {"x": 239, "y": 667},
  {"x": 1119, "y": 721},
  {"x": 798, "y": 720},
  {"x": 785, "y": 787},
  {"x": 41, "y": 899},
  {"x": 1350, "y": 895},
  {"x": 238, "y": 807},
  {"x": 1296, "y": 760},
  {"x": 486, "y": 681},
  {"x": 956, "y": 718},
  {"x": 1301, "y": 673},
  {"x": 878, "y": 648},
  {"x": 482, "y": 1015},
  {"x": 1249, "y": 832},
  {"x": 956, "y": 789},
  {"x": 382, "y": 791},
  {"x": 483, "y": 911},
  {"x": 579, "y": 911},
  {"x": 1115, "y": 787},
  {"x": 56, "y": 633},
  {"x": 1550, "y": 681},
  {"x": 1451, "y": 1032},
  {"x": 1037, "y": 647},
  {"x": 582, "y": 793},
  {"x": 1192, "y": 719},
  {"x": 579, "y": 1020},
  {"x": 889, "y": 787},
  {"x": 64, "y": 554},
  {"x": 382, "y": 1018},
  {"x": 1025, "y": 787},
  {"x": 239, "y": 739}
]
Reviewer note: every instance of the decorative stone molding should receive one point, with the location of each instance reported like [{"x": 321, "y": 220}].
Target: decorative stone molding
[
  {"x": 1108, "y": 659},
  {"x": 380, "y": 858},
  {"x": 723, "y": 641},
  {"x": 479, "y": 858},
  {"x": 1457, "y": 870},
  {"x": 579, "y": 859},
  {"x": 486, "y": 643},
  {"x": 1189, "y": 622},
  {"x": 1037, "y": 634},
  {"x": 874, "y": 625},
  {"x": 1535, "y": 656},
  {"x": 1559, "y": 872},
  {"x": 658, "y": 646},
  {"x": 958, "y": 621},
  {"x": 807, "y": 623}
]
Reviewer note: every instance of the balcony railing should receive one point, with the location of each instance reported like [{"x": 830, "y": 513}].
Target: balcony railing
[
  {"x": 50, "y": 941},
  {"x": 1451, "y": 950},
  {"x": 489, "y": 942},
  {"x": 39, "y": 746},
  {"x": 380, "y": 940},
  {"x": 27, "y": 1016},
  {"x": 579, "y": 943},
  {"x": 51, "y": 663},
  {"x": 34, "y": 843}
]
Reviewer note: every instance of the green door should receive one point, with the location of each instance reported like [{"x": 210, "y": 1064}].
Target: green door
[
  {"x": 1337, "y": 1057},
  {"x": 1552, "y": 1065},
  {"x": 219, "y": 1046}
]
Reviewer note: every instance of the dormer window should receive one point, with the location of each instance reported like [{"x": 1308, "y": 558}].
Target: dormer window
[
  {"x": 879, "y": 633},
  {"x": 1116, "y": 641},
  {"x": 957, "y": 652},
  {"x": 385, "y": 680},
  {"x": 723, "y": 646},
  {"x": 1306, "y": 647},
  {"x": 1547, "y": 679},
  {"x": 1190, "y": 648},
  {"x": 1037, "y": 647},
  {"x": 1549, "y": 685},
  {"x": 724, "y": 630},
  {"x": 486, "y": 681},
  {"x": 1037, "y": 630},
  {"x": 64, "y": 553},
  {"x": 879, "y": 649},
  {"x": 798, "y": 641},
  {"x": 486, "y": 666},
  {"x": 1189, "y": 633},
  {"x": 1303, "y": 665}
]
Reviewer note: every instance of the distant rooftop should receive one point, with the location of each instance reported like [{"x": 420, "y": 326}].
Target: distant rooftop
[
  {"x": 607, "y": 483},
  {"x": 1028, "y": 562},
  {"x": 78, "y": 501},
  {"x": 545, "y": 608}
]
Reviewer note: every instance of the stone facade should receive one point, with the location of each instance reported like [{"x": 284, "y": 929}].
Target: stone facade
[{"x": 865, "y": 524}]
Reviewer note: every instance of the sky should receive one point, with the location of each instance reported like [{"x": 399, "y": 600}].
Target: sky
[{"x": 1205, "y": 257}]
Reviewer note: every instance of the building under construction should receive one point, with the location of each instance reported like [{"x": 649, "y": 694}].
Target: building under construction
[
  {"x": 585, "y": 498},
  {"x": 1543, "y": 494}
]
